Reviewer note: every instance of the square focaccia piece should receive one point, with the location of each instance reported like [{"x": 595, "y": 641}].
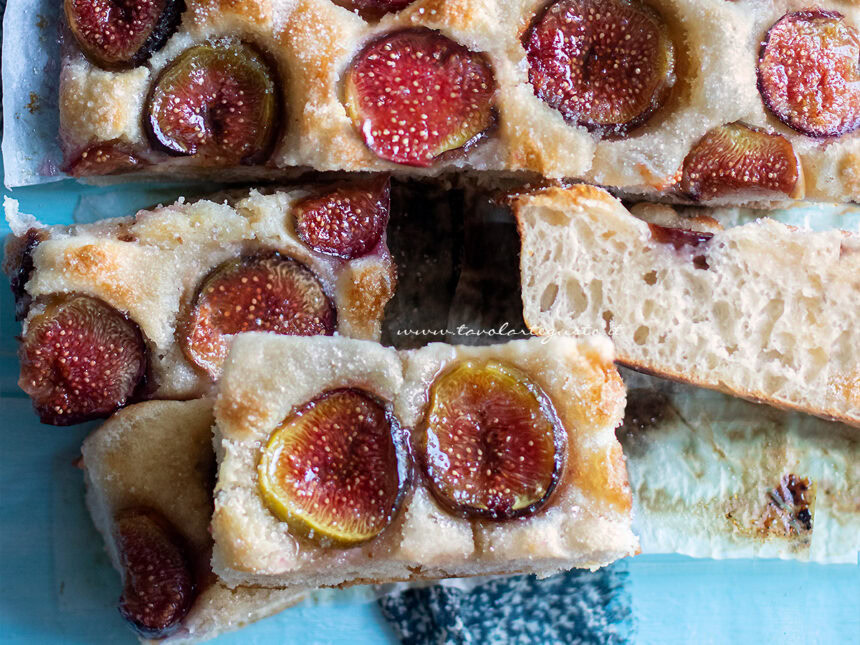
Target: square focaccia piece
[
  {"x": 335, "y": 467},
  {"x": 645, "y": 96},
  {"x": 761, "y": 310},
  {"x": 145, "y": 306},
  {"x": 718, "y": 477},
  {"x": 149, "y": 473}
]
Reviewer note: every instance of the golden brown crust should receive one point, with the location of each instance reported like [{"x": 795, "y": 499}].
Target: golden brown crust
[
  {"x": 150, "y": 267},
  {"x": 253, "y": 546},
  {"x": 313, "y": 41}
]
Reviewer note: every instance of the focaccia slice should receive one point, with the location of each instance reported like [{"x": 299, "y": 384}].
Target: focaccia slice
[
  {"x": 717, "y": 477},
  {"x": 149, "y": 473},
  {"x": 763, "y": 310},
  {"x": 648, "y": 97},
  {"x": 145, "y": 306},
  {"x": 332, "y": 470}
]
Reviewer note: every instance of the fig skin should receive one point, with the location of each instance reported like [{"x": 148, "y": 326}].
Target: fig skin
[
  {"x": 99, "y": 25},
  {"x": 108, "y": 158},
  {"x": 440, "y": 92},
  {"x": 203, "y": 335},
  {"x": 67, "y": 385},
  {"x": 456, "y": 479},
  {"x": 347, "y": 222},
  {"x": 340, "y": 462},
  {"x": 158, "y": 576},
  {"x": 734, "y": 158},
  {"x": 374, "y": 9},
  {"x": 583, "y": 86},
  {"x": 19, "y": 264},
  {"x": 210, "y": 126},
  {"x": 795, "y": 87}
]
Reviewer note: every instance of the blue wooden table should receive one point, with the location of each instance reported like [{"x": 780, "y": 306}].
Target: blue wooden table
[{"x": 56, "y": 584}]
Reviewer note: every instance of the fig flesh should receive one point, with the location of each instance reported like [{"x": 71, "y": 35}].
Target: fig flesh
[
  {"x": 81, "y": 359},
  {"x": 809, "y": 73},
  {"x": 267, "y": 292},
  {"x": 334, "y": 470},
  {"x": 492, "y": 445},
  {"x": 735, "y": 158},
  {"x": 158, "y": 579},
  {"x": 607, "y": 65},
  {"x": 218, "y": 102},
  {"x": 347, "y": 222},
  {"x": 414, "y": 95}
]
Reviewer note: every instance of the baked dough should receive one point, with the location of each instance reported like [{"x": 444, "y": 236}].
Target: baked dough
[
  {"x": 586, "y": 522},
  {"x": 763, "y": 310},
  {"x": 707, "y": 472},
  {"x": 150, "y": 266},
  {"x": 158, "y": 455},
  {"x": 313, "y": 41}
]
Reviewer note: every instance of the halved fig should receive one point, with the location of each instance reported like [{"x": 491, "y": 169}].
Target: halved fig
[
  {"x": 492, "y": 445},
  {"x": 117, "y": 34},
  {"x": 346, "y": 222},
  {"x": 261, "y": 293},
  {"x": 733, "y": 158},
  {"x": 809, "y": 73},
  {"x": 335, "y": 468},
  {"x": 81, "y": 359},
  {"x": 218, "y": 102},
  {"x": 107, "y": 158},
  {"x": 415, "y": 95},
  {"x": 607, "y": 65},
  {"x": 158, "y": 579}
]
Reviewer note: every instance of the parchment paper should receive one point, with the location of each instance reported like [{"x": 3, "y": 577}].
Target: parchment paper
[{"x": 31, "y": 70}]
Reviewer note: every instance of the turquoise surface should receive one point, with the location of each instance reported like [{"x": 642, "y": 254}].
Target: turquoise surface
[{"x": 56, "y": 584}]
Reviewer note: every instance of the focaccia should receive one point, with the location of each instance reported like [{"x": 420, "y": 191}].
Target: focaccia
[
  {"x": 145, "y": 306},
  {"x": 460, "y": 461},
  {"x": 686, "y": 99},
  {"x": 763, "y": 310},
  {"x": 717, "y": 477},
  {"x": 149, "y": 473}
]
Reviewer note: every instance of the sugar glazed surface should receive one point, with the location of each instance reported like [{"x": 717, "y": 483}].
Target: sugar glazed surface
[
  {"x": 623, "y": 93},
  {"x": 146, "y": 306},
  {"x": 527, "y": 476}
]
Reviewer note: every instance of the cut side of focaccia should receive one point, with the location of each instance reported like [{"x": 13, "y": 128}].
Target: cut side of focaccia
[
  {"x": 145, "y": 306},
  {"x": 149, "y": 473},
  {"x": 763, "y": 310},
  {"x": 717, "y": 477},
  {"x": 459, "y": 461},
  {"x": 648, "y": 97}
]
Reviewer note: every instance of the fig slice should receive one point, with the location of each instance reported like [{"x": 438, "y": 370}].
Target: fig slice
[
  {"x": 607, "y": 65},
  {"x": 683, "y": 237},
  {"x": 733, "y": 158},
  {"x": 217, "y": 101},
  {"x": 118, "y": 34},
  {"x": 415, "y": 95},
  {"x": 809, "y": 73},
  {"x": 347, "y": 222},
  {"x": 108, "y": 158},
  {"x": 335, "y": 469},
  {"x": 267, "y": 292},
  {"x": 492, "y": 445},
  {"x": 158, "y": 587},
  {"x": 81, "y": 359}
]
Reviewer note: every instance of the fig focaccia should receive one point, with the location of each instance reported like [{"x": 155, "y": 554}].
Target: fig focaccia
[
  {"x": 459, "y": 461},
  {"x": 688, "y": 99},
  {"x": 149, "y": 473},
  {"x": 717, "y": 477},
  {"x": 761, "y": 310},
  {"x": 145, "y": 306}
]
